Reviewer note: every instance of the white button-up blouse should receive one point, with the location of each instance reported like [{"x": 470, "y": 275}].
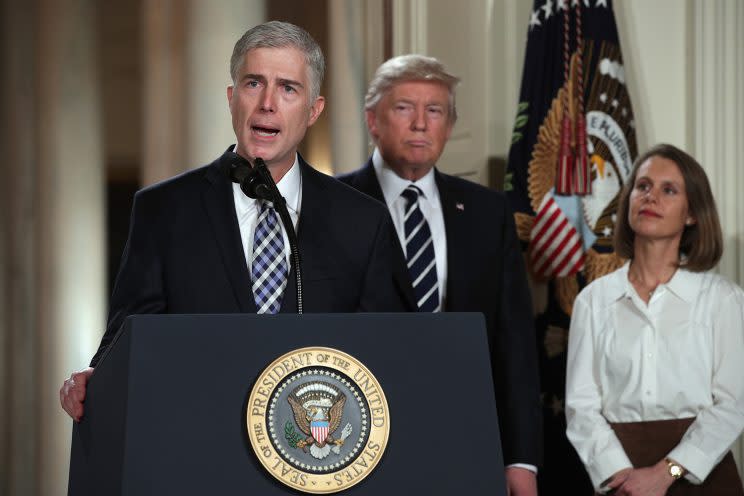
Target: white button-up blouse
[{"x": 682, "y": 355}]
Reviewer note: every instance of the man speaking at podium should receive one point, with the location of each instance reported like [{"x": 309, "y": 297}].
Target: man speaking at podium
[{"x": 197, "y": 244}]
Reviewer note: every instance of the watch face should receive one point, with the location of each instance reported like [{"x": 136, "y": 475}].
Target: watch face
[{"x": 675, "y": 471}]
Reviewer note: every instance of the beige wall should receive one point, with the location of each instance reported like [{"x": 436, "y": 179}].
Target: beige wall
[{"x": 656, "y": 39}]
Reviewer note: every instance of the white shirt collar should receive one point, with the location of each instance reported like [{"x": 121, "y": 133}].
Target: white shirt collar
[
  {"x": 684, "y": 284},
  {"x": 289, "y": 186},
  {"x": 393, "y": 185}
]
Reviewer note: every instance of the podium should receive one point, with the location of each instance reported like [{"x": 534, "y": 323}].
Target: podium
[{"x": 165, "y": 411}]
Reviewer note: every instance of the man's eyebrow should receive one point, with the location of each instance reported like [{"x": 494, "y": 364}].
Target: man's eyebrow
[
  {"x": 257, "y": 77},
  {"x": 291, "y": 82}
]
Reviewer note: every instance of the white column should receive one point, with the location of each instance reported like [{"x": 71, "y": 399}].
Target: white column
[
  {"x": 410, "y": 19},
  {"x": 507, "y": 39},
  {"x": 719, "y": 125},
  {"x": 213, "y": 29},
  {"x": 347, "y": 85},
  {"x": 71, "y": 300},
  {"x": 187, "y": 49},
  {"x": 655, "y": 40},
  {"x": 163, "y": 91},
  {"x": 719, "y": 118},
  {"x": 374, "y": 37}
]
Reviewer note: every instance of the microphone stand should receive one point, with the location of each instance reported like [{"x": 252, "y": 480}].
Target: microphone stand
[{"x": 256, "y": 182}]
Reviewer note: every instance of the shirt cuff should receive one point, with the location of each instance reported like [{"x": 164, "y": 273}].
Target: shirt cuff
[
  {"x": 613, "y": 460},
  {"x": 697, "y": 463},
  {"x": 525, "y": 466}
]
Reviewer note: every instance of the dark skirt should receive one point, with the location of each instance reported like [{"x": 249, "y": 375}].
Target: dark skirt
[{"x": 646, "y": 443}]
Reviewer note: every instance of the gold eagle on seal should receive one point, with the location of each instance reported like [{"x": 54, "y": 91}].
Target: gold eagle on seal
[{"x": 318, "y": 410}]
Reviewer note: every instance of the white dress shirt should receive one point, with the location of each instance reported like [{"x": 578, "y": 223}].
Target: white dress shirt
[
  {"x": 248, "y": 210},
  {"x": 679, "y": 356},
  {"x": 392, "y": 186}
]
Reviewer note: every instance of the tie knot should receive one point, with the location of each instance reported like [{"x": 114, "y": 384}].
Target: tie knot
[
  {"x": 412, "y": 193},
  {"x": 266, "y": 205}
]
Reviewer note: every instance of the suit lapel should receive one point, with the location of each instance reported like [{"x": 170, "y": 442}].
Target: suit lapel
[
  {"x": 365, "y": 180},
  {"x": 313, "y": 216},
  {"x": 220, "y": 207},
  {"x": 453, "y": 211},
  {"x": 314, "y": 204}
]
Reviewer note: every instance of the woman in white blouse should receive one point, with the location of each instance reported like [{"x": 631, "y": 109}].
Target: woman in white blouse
[{"x": 655, "y": 380}]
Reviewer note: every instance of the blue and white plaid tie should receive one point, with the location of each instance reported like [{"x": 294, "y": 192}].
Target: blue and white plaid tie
[
  {"x": 422, "y": 265},
  {"x": 269, "y": 266}
]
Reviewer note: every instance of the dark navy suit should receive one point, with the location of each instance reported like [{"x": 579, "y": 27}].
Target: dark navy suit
[
  {"x": 185, "y": 255},
  {"x": 485, "y": 273}
]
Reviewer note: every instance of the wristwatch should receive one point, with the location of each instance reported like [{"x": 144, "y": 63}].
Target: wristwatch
[{"x": 675, "y": 469}]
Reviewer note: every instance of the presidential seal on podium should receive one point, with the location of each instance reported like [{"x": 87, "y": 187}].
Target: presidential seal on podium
[{"x": 318, "y": 420}]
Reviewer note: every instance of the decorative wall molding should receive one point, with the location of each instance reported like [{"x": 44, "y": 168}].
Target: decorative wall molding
[
  {"x": 347, "y": 84},
  {"x": 410, "y": 19}
]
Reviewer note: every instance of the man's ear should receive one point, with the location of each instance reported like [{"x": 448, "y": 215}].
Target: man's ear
[
  {"x": 229, "y": 94},
  {"x": 371, "y": 118},
  {"x": 315, "y": 110}
]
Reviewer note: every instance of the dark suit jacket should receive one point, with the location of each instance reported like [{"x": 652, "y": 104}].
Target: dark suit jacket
[
  {"x": 185, "y": 255},
  {"x": 486, "y": 273}
]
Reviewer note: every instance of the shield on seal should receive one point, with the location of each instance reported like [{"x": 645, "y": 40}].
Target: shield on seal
[{"x": 319, "y": 430}]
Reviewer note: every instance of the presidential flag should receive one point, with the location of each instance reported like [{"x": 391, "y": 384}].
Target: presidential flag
[{"x": 572, "y": 149}]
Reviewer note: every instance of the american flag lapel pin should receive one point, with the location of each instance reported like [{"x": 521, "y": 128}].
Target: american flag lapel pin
[{"x": 460, "y": 206}]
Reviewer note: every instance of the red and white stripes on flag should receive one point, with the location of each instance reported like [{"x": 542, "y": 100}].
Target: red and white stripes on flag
[{"x": 555, "y": 245}]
